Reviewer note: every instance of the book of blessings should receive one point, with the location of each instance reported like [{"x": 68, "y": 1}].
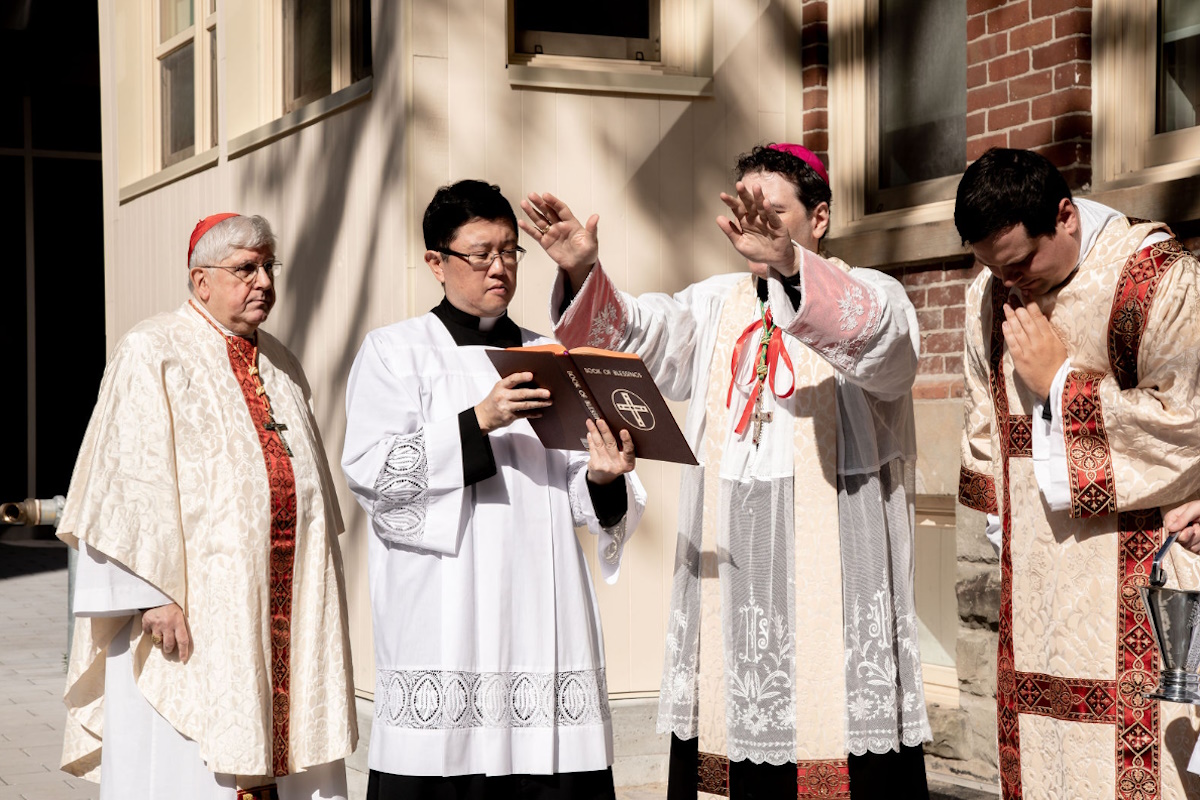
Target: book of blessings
[{"x": 588, "y": 383}]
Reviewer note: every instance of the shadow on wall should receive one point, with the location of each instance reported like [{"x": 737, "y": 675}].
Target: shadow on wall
[{"x": 325, "y": 203}]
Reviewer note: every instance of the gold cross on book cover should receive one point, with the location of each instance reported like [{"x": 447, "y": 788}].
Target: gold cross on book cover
[{"x": 588, "y": 383}]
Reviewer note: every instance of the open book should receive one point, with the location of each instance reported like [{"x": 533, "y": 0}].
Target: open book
[{"x": 587, "y": 383}]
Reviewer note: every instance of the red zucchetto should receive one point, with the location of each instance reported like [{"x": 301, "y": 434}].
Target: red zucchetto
[{"x": 203, "y": 227}]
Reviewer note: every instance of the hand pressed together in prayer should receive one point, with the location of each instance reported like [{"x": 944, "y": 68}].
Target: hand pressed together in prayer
[
  {"x": 572, "y": 246},
  {"x": 509, "y": 401},
  {"x": 1185, "y": 521},
  {"x": 168, "y": 628},
  {"x": 1037, "y": 351},
  {"x": 608, "y": 461},
  {"x": 757, "y": 232}
]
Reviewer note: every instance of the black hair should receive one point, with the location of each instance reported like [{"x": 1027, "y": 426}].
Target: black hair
[
  {"x": 1005, "y": 187},
  {"x": 810, "y": 188},
  {"x": 457, "y": 204}
]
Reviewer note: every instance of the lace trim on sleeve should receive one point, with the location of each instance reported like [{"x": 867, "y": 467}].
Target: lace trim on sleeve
[
  {"x": 617, "y": 533},
  {"x": 403, "y": 488}
]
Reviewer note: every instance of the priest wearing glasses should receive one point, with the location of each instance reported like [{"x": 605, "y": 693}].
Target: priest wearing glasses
[
  {"x": 210, "y": 658},
  {"x": 488, "y": 649}
]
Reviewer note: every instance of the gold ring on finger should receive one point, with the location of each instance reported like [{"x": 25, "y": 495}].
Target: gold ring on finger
[
  {"x": 157, "y": 639},
  {"x": 544, "y": 231}
]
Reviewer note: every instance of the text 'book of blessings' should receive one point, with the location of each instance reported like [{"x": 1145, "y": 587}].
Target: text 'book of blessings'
[{"x": 587, "y": 383}]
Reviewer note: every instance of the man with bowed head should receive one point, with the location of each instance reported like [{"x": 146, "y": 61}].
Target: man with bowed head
[
  {"x": 489, "y": 655},
  {"x": 210, "y": 657},
  {"x": 1082, "y": 425},
  {"x": 792, "y": 666}
]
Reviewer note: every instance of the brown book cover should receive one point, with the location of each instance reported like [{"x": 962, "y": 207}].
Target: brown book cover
[{"x": 587, "y": 383}]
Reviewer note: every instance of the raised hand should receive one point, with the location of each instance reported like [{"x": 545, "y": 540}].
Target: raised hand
[
  {"x": 607, "y": 462},
  {"x": 168, "y": 629},
  {"x": 570, "y": 244},
  {"x": 509, "y": 402},
  {"x": 1036, "y": 350},
  {"x": 756, "y": 230}
]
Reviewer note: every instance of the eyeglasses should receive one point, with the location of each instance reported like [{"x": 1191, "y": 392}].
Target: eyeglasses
[
  {"x": 247, "y": 272},
  {"x": 508, "y": 258}
]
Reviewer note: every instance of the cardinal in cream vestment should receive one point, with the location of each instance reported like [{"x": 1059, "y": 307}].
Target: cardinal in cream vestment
[{"x": 210, "y": 655}]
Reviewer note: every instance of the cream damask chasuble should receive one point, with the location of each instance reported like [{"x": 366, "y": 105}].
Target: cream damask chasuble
[
  {"x": 171, "y": 482},
  {"x": 1075, "y": 649}
]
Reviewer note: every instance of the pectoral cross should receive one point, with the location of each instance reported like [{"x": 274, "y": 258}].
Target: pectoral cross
[
  {"x": 279, "y": 428},
  {"x": 759, "y": 417}
]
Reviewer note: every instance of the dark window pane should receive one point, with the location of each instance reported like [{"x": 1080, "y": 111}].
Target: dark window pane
[
  {"x": 628, "y": 18},
  {"x": 179, "y": 105},
  {"x": 12, "y": 122},
  {"x": 1178, "y": 64},
  {"x": 922, "y": 90},
  {"x": 360, "y": 39},
  {"x": 14, "y": 482},
  {"x": 67, "y": 118},
  {"x": 311, "y": 51},
  {"x": 69, "y": 310}
]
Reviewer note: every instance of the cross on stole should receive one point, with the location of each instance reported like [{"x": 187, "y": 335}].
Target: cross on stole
[
  {"x": 636, "y": 409},
  {"x": 759, "y": 417},
  {"x": 279, "y": 428}
]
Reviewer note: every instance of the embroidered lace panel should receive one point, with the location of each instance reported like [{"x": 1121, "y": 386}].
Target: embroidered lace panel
[
  {"x": 403, "y": 487},
  {"x": 451, "y": 699},
  {"x": 856, "y": 308}
]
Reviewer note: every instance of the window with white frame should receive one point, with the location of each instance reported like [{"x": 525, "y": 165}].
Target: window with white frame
[
  {"x": 618, "y": 29},
  {"x": 1146, "y": 87},
  {"x": 639, "y": 46},
  {"x": 920, "y": 86},
  {"x": 1178, "y": 73},
  {"x": 186, "y": 73},
  {"x": 326, "y": 47},
  {"x": 897, "y": 104}
]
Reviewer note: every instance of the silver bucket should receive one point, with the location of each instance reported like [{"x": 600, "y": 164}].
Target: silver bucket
[{"x": 1175, "y": 619}]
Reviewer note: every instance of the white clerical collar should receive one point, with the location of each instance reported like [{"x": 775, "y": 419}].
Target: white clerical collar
[
  {"x": 487, "y": 323},
  {"x": 1093, "y": 218},
  {"x": 200, "y": 307}
]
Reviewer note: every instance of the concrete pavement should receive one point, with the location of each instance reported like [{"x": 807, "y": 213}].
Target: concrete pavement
[
  {"x": 33, "y": 654},
  {"x": 33, "y": 651}
]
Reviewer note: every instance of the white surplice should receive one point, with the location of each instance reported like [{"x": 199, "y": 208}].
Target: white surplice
[
  {"x": 488, "y": 648},
  {"x": 780, "y": 589}
]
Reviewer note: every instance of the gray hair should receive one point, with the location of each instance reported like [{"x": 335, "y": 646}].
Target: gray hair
[{"x": 229, "y": 235}]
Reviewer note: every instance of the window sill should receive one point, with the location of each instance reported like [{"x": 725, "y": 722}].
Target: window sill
[
  {"x": 300, "y": 118},
  {"x": 620, "y": 79},
  {"x": 181, "y": 169},
  {"x": 904, "y": 236}
]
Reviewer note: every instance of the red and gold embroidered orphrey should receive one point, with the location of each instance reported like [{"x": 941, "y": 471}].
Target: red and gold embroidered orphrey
[
  {"x": 977, "y": 491},
  {"x": 243, "y": 358},
  {"x": 828, "y": 779},
  {"x": 1121, "y": 702},
  {"x": 1007, "y": 713},
  {"x": 1132, "y": 299},
  {"x": 1089, "y": 462}
]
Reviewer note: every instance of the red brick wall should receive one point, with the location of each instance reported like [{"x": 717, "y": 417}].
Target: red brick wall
[
  {"x": 814, "y": 62},
  {"x": 938, "y": 292},
  {"x": 1029, "y": 80}
]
